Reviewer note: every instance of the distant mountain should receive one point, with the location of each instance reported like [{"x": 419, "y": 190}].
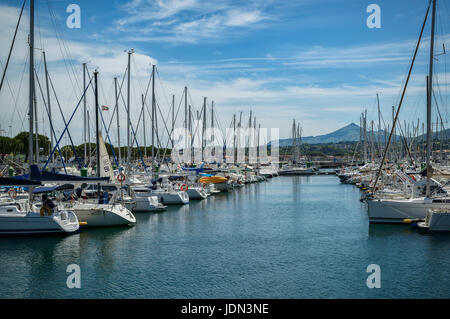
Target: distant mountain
[{"x": 349, "y": 133}]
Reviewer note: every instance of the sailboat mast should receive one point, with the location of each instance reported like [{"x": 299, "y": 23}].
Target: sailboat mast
[
  {"x": 379, "y": 124},
  {"x": 153, "y": 119},
  {"x": 117, "y": 119},
  {"x": 84, "y": 115},
  {"x": 429, "y": 94},
  {"x": 48, "y": 104},
  {"x": 97, "y": 165},
  {"x": 31, "y": 86},
  {"x": 234, "y": 139},
  {"x": 37, "y": 129},
  {"x": 89, "y": 136},
  {"x": 204, "y": 128},
  {"x": 173, "y": 117},
  {"x": 128, "y": 110},
  {"x": 143, "y": 125}
]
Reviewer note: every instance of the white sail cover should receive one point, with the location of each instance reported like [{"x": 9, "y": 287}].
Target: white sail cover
[{"x": 105, "y": 164}]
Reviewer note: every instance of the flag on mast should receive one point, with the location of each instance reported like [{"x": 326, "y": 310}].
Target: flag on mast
[{"x": 105, "y": 108}]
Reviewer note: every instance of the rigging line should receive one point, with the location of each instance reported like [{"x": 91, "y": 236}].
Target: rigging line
[
  {"x": 135, "y": 66},
  {"x": 165, "y": 125},
  {"x": 176, "y": 117},
  {"x": 401, "y": 100},
  {"x": 440, "y": 117},
  {"x": 405, "y": 143},
  {"x": 65, "y": 123},
  {"x": 51, "y": 126},
  {"x": 162, "y": 87},
  {"x": 15, "y": 99},
  {"x": 109, "y": 140},
  {"x": 12, "y": 45},
  {"x": 63, "y": 49},
  {"x": 133, "y": 132},
  {"x": 70, "y": 120},
  {"x": 137, "y": 126},
  {"x": 104, "y": 124}
]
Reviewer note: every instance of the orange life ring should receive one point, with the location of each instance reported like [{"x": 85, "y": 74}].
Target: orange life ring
[
  {"x": 121, "y": 177},
  {"x": 12, "y": 193},
  {"x": 184, "y": 187}
]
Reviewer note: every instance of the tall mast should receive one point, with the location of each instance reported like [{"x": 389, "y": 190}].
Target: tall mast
[
  {"x": 212, "y": 122},
  {"x": 84, "y": 114},
  {"x": 204, "y": 127},
  {"x": 185, "y": 109},
  {"x": 128, "y": 110},
  {"x": 249, "y": 135},
  {"x": 191, "y": 144},
  {"x": 186, "y": 116},
  {"x": 234, "y": 139},
  {"x": 379, "y": 123},
  {"x": 430, "y": 90},
  {"x": 97, "y": 141},
  {"x": 153, "y": 119},
  {"x": 31, "y": 86},
  {"x": 117, "y": 119},
  {"x": 48, "y": 105},
  {"x": 173, "y": 116},
  {"x": 365, "y": 135},
  {"x": 89, "y": 136},
  {"x": 37, "y": 129},
  {"x": 143, "y": 124}
]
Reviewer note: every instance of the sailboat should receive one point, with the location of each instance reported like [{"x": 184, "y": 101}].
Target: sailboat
[
  {"x": 102, "y": 214},
  {"x": 131, "y": 201},
  {"x": 20, "y": 217},
  {"x": 387, "y": 210}
]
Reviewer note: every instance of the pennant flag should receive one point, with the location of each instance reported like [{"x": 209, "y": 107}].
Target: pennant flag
[{"x": 105, "y": 108}]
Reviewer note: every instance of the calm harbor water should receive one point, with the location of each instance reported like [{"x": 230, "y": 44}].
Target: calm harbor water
[{"x": 291, "y": 237}]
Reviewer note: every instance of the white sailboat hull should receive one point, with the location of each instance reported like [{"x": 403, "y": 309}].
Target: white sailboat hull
[
  {"x": 103, "y": 215},
  {"x": 395, "y": 211},
  {"x": 148, "y": 204},
  {"x": 20, "y": 223},
  {"x": 196, "y": 193},
  {"x": 436, "y": 221}
]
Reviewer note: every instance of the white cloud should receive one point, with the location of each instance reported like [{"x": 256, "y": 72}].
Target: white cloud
[{"x": 186, "y": 21}]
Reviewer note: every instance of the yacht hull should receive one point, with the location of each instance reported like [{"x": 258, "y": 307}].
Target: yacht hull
[
  {"x": 103, "y": 215},
  {"x": 34, "y": 223},
  {"x": 395, "y": 211}
]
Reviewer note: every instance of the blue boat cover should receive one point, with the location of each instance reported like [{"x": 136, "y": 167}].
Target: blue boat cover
[
  {"x": 5, "y": 181},
  {"x": 49, "y": 189},
  {"x": 58, "y": 177}
]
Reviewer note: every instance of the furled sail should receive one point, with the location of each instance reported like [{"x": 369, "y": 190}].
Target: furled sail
[{"x": 105, "y": 164}]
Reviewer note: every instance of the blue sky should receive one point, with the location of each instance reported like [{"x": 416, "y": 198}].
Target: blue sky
[{"x": 315, "y": 61}]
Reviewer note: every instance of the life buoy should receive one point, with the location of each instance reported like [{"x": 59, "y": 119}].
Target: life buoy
[
  {"x": 45, "y": 210},
  {"x": 204, "y": 186},
  {"x": 121, "y": 177},
  {"x": 12, "y": 193},
  {"x": 184, "y": 187}
]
